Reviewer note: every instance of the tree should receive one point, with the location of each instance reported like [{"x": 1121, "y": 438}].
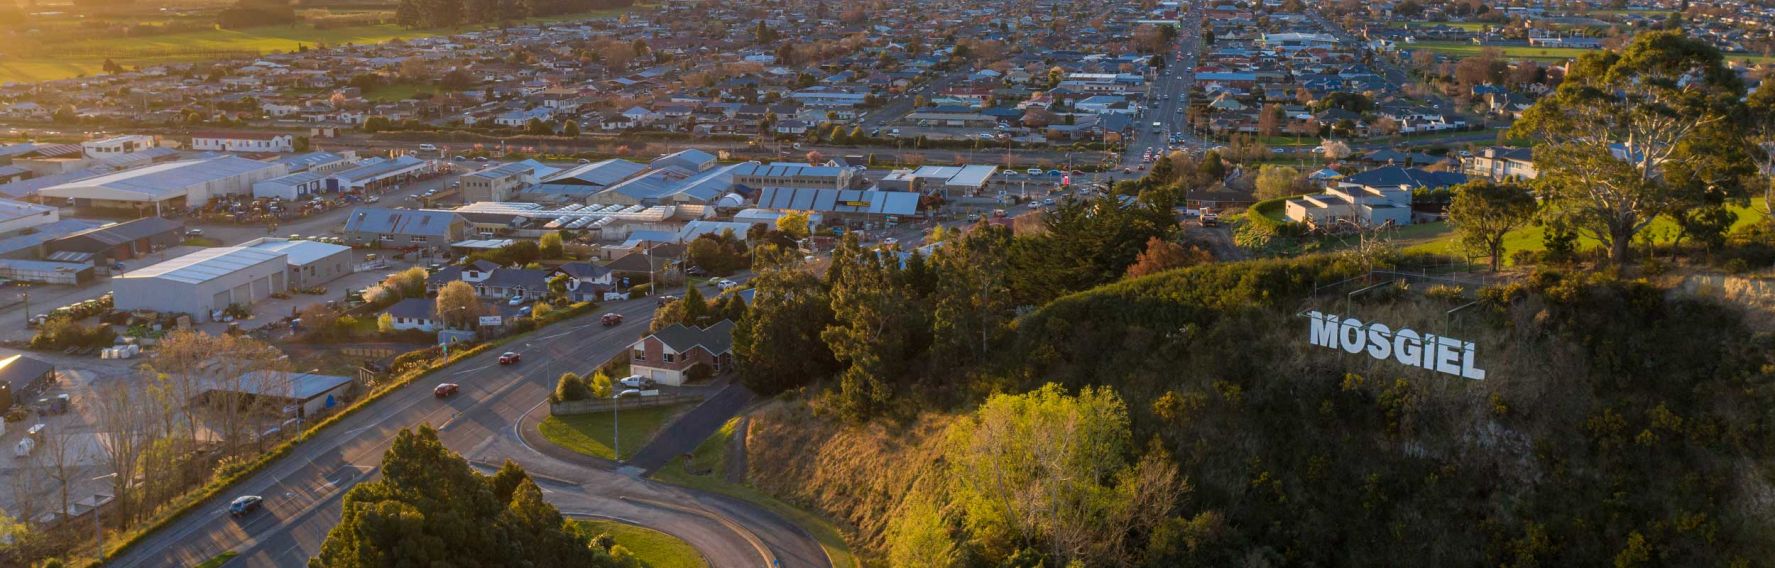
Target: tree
[
  {"x": 430, "y": 509},
  {"x": 570, "y": 387},
  {"x": 1620, "y": 121},
  {"x": 457, "y": 306},
  {"x": 1761, "y": 131},
  {"x": 570, "y": 128},
  {"x": 1334, "y": 149},
  {"x": 973, "y": 307},
  {"x": 549, "y": 246},
  {"x": 1279, "y": 181},
  {"x": 1483, "y": 212},
  {"x": 1161, "y": 255},
  {"x": 1052, "y": 470},
  {"x": 795, "y": 223},
  {"x": 777, "y": 345}
]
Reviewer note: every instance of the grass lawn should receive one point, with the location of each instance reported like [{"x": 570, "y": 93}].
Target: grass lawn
[
  {"x": 1440, "y": 238},
  {"x": 219, "y": 560},
  {"x": 657, "y": 549},
  {"x": 399, "y": 92},
  {"x": 590, "y": 433},
  {"x": 711, "y": 455}
]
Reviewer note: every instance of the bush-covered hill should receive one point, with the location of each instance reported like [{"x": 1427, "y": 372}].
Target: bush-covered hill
[{"x": 1618, "y": 424}]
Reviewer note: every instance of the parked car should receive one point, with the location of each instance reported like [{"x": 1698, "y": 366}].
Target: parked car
[
  {"x": 1210, "y": 219},
  {"x": 446, "y": 390},
  {"x": 428, "y": 148},
  {"x": 509, "y": 358},
  {"x": 629, "y": 393},
  {"x": 726, "y": 284},
  {"x": 244, "y": 504},
  {"x": 1033, "y": 171},
  {"x": 637, "y": 382},
  {"x": 517, "y": 300},
  {"x": 611, "y": 319},
  {"x": 193, "y": 233}
]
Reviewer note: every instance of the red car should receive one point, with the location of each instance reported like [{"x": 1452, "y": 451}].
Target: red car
[
  {"x": 445, "y": 390},
  {"x": 611, "y": 319},
  {"x": 508, "y": 358}
]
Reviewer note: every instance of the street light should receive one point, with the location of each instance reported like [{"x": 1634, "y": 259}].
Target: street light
[{"x": 615, "y": 423}]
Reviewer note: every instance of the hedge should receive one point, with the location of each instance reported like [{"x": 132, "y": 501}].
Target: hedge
[{"x": 190, "y": 501}]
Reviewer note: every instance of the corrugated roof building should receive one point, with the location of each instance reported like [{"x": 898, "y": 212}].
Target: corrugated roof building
[{"x": 203, "y": 282}]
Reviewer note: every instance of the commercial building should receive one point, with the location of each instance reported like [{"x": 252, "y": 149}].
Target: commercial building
[
  {"x": 243, "y": 142},
  {"x": 497, "y": 183},
  {"x": 843, "y": 204},
  {"x": 171, "y": 185},
  {"x": 16, "y": 216},
  {"x": 403, "y": 228},
  {"x": 121, "y": 241},
  {"x": 117, "y": 145},
  {"x": 301, "y": 395},
  {"x": 46, "y": 272},
  {"x": 311, "y": 263},
  {"x": 947, "y": 180},
  {"x": 755, "y": 175},
  {"x": 203, "y": 283},
  {"x": 23, "y": 378}
]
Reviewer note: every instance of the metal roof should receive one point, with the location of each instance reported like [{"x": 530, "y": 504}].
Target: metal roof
[
  {"x": 840, "y": 200},
  {"x": 603, "y": 173},
  {"x": 300, "y": 253},
  {"x": 422, "y": 222},
  {"x": 206, "y": 265},
  {"x": 168, "y": 179}
]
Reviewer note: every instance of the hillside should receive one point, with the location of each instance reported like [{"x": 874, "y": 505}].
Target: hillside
[{"x": 1617, "y": 423}]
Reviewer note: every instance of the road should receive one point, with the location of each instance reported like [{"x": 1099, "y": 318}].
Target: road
[
  {"x": 303, "y": 490},
  {"x": 1168, "y": 98}
]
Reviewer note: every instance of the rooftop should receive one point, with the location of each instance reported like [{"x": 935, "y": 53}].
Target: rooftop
[{"x": 205, "y": 265}]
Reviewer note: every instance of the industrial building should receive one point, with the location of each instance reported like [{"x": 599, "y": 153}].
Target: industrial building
[
  {"x": 311, "y": 263},
  {"x": 303, "y": 395},
  {"x": 171, "y": 185},
  {"x": 841, "y": 204},
  {"x": 120, "y": 241},
  {"x": 16, "y": 216},
  {"x": 947, "y": 180},
  {"x": 758, "y": 176},
  {"x": 204, "y": 282},
  {"x": 403, "y": 228},
  {"x": 243, "y": 142}
]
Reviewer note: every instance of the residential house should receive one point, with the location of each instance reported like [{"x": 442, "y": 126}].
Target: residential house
[{"x": 668, "y": 356}]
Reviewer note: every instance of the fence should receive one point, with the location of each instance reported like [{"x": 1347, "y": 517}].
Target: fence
[{"x": 575, "y": 407}]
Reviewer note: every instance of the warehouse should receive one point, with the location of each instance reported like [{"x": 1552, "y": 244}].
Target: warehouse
[
  {"x": 168, "y": 186},
  {"x": 403, "y": 228},
  {"x": 311, "y": 263},
  {"x": 121, "y": 241},
  {"x": 203, "y": 283},
  {"x": 841, "y": 204},
  {"x": 303, "y": 395}
]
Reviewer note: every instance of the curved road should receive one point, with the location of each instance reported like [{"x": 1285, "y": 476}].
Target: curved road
[{"x": 303, "y": 491}]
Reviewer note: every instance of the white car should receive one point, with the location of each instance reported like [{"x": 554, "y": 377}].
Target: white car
[
  {"x": 725, "y": 284},
  {"x": 515, "y": 301},
  {"x": 636, "y": 382}
]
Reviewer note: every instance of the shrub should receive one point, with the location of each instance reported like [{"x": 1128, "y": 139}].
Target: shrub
[
  {"x": 1444, "y": 292},
  {"x": 570, "y": 388}
]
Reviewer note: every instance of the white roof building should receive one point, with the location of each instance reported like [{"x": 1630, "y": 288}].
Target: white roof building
[{"x": 172, "y": 184}]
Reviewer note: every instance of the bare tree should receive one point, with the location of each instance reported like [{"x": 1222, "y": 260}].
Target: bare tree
[
  {"x": 125, "y": 419},
  {"x": 60, "y": 454}
]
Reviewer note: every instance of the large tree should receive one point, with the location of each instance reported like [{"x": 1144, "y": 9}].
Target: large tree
[
  {"x": 430, "y": 509},
  {"x": 1483, "y": 212},
  {"x": 1605, "y": 140},
  {"x": 778, "y": 344}
]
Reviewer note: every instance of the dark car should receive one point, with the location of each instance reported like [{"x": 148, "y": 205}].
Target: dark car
[
  {"x": 446, "y": 390},
  {"x": 663, "y": 300},
  {"x": 611, "y": 319},
  {"x": 244, "y": 504},
  {"x": 508, "y": 358}
]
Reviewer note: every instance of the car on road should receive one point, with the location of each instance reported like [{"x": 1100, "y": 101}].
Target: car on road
[
  {"x": 726, "y": 284},
  {"x": 446, "y": 390},
  {"x": 509, "y": 358},
  {"x": 428, "y": 148},
  {"x": 193, "y": 233},
  {"x": 972, "y": 217},
  {"x": 515, "y": 301},
  {"x": 1210, "y": 219},
  {"x": 1033, "y": 171},
  {"x": 612, "y": 319},
  {"x": 637, "y": 382},
  {"x": 696, "y": 271},
  {"x": 244, "y": 504},
  {"x": 663, "y": 300}
]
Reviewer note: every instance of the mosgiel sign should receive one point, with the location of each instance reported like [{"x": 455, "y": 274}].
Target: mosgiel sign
[{"x": 1445, "y": 355}]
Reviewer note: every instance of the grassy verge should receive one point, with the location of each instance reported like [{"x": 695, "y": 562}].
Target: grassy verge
[
  {"x": 591, "y": 434},
  {"x": 218, "y": 560},
  {"x": 709, "y": 461},
  {"x": 657, "y": 549},
  {"x": 189, "y": 501},
  {"x": 1440, "y": 238}
]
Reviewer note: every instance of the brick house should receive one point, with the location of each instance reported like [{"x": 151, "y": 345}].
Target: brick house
[{"x": 667, "y": 355}]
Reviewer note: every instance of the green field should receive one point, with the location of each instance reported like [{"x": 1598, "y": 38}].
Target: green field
[
  {"x": 34, "y": 61},
  {"x": 657, "y": 549},
  {"x": 1439, "y": 238},
  {"x": 711, "y": 455},
  {"x": 1464, "y": 49},
  {"x": 1469, "y": 26},
  {"x": 590, "y": 433}
]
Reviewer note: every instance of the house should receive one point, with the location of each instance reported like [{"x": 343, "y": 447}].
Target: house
[
  {"x": 586, "y": 282},
  {"x": 414, "y": 313},
  {"x": 243, "y": 142},
  {"x": 1501, "y": 164},
  {"x": 403, "y": 228},
  {"x": 669, "y": 355},
  {"x": 521, "y": 118},
  {"x": 492, "y": 281}
]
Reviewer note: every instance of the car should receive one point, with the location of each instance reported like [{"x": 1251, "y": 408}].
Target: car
[
  {"x": 1210, "y": 220},
  {"x": 428, "y": 148},
  {"x": 637, "y": 382},
  {"x": 446, "y": 390},
  {"x": 244, "y": 504},
  {"x": 725, "y": 284},
  {"x": 1055, "y": 173},
  {"x": 696, "y": 271},
  {"x": 480, "y": 158},
  {"x": 515, "y": 301},
  {"x": 611, "y": 319},
  {"x": 663, "y": 300},
  {"x": 584, "y": 161},
  {"x": 509, "y": 358},
  {"x": 973, "y": 217},
  {"x": 373, "y": 199},
  {"x": 629, "y": 393},
  {"x": 890, "y": 241},
  {"x": 1048, "y": 201},
  {"x": 459, "y": 159},
  {"x": 193, "y": 233}
]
